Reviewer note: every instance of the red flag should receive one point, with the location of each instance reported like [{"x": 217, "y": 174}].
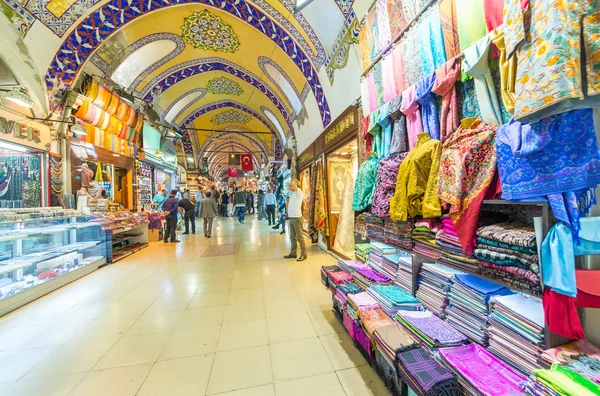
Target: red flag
[
  {"x": 246, "y": 160},
  {"x": 232, "y": 172}
]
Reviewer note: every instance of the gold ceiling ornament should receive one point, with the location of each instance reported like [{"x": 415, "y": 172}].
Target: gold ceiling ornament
[
  {"x": 231, "y": 117},
  {"x": 207, "y": 31},
  {"x": 224, "y": 86}
]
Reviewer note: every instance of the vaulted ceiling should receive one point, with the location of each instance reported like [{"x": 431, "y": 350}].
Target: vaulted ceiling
[{"x": 241, "y": 66}]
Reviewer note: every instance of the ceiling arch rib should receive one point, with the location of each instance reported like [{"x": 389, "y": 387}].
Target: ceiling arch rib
[
  {"x": 210, "y": 142},
  {"x": 180, "y": 72},
  {"x": 113, "y": 15},
  {"x": 281, "y": 80},
  {"x": 269, "y": 114},
  {"x": 179, "y": 105}
]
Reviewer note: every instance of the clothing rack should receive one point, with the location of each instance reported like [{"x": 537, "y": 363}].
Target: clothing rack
[{"x": 400, "y": 34}]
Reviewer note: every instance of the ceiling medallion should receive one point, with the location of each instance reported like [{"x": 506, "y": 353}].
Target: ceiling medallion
[
  {"x": 209, "y": 32},
  {"x": 224, "y": 86},
  {"x": 230, "y": 116}
]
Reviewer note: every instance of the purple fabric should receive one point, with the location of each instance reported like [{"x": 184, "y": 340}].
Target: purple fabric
[
  {"x": 438, "y": 330},
  {"x": 387, "y": 174},
  {"x": 426, "y": 373},
  {"x": 364, "y": 341},
  {"x": 373, "y": 275},
  {"x": 429, "y": 113}
]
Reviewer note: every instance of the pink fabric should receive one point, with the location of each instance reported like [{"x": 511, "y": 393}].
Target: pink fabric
[
  {"x": 451, "y": 231},
  {"x": 445, "y": 86},
  {"x": 389, "y": 85},
  {"x": 350, "y": 325},
  {"x": 489, "y": 375},
  {"x": 400, "y": 76},
  {"x": 372, "y": 95},
  {"x": 411, "y": 109},
  {"x": 363, "y": 301}
]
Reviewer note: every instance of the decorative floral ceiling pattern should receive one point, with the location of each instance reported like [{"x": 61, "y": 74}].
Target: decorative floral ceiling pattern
[
  {"x": 224, "y": 86},
  {"x": 230, "y": 117},
  {"x": 207, "y": 31}
]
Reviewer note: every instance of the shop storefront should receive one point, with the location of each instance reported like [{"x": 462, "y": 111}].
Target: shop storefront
[
  {"x": 307, "y": 175},
  {"x": 24, "y": 169}
]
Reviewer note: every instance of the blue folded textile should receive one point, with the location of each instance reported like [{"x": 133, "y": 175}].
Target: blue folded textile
[
  {"x": 558, "y": 260},
  {"x": 482, "y": 286}
]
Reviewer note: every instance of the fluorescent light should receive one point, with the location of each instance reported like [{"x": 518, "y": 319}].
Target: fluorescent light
[
  {"x": 344, "y": 153},
  {"x": 13, "y": 147},
  {"x": 20, "y": 98},
  {"x": 78, "y": 129},
  {"x": 116, "y": 155}
]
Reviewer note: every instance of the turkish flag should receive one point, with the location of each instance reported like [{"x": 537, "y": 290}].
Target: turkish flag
[
  {"x": 246, "y": 160},
  {"x": 232, "y": 172}
]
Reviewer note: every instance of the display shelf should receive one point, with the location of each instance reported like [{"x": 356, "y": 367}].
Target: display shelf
[
  {"x": 67, "y": 249},
  {"x": 47, "y": 218},
  {"x": 47, "y": 231}
]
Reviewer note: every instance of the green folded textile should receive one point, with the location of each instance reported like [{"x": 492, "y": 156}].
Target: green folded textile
[{"x": 567, "y": 382}]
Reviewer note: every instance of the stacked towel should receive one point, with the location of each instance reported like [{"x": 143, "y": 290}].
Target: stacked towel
[
  {"x": 434, "y": 286},
  {"x": 398, "y": 233},
  {"x": 392, "y": 299},
  {"x": 432, "y": 331},
  {"x": 468, "y": 308}
]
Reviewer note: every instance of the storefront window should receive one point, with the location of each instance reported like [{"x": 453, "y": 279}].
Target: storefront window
[{"x": 21, "y": 177}]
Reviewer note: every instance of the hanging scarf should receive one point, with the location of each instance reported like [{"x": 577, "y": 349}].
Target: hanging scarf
[
  {"x": 320, "y": 219},
  {"x": 467, "y": 169},
  {"x": 410, "y": 107},
  {"x": 433, "y": 54},
  {"x": 400, "y": 76},
  {"x": 389, "y": 85},
  {"x": 371, "y": 93},
  {"x": 399, "y": 142},
  {"x": 557, "y": 158},
  {"x": 445, "y": 86},
  {"x": 449, "y": 19},
  {"x": 426, "y": 99}
]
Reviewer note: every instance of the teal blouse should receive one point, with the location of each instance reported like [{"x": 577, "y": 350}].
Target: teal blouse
[{"x": 365, "y": 184}]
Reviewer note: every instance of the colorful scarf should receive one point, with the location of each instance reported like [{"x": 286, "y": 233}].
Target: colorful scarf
[
  {"x": 557, "y": 157},
  {"x": 384, "y": 35},
  {"x": 429, "y": 112},
  {"x": 433, "y": 54},
  {"x": 371, "y": 92},
  {"x": 449, "y": 19},
  {"x": 320, "y": 219},
  {"x": 377, "y": 73},
  {"x": 424, "y": 375},
  {"x": 468, "y": 166},
  {"x": 410, "y": 108},
  {"x": 445, "y": 85},
  {"x": 396, "y": 14},
  {"x": 400, "y": 76},
  {"x": 389, "y": 84},
  {"x": 372, "y": 34},
  {"x": 399, "y": 137},
  {"x": 364, "y": 95},
  {"x": 365, "y": 51},
  {"x": 387, "y": 173},
  {"x": 471, "y": 22}
]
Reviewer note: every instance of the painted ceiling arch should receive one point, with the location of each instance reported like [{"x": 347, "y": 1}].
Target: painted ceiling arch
[{"x": 216, "y": 139}]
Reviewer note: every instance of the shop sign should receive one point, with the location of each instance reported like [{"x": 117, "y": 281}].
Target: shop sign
[
  {"x": 306, "y": 156},
  {"x": 343, "y": 125},
  {"x": 36, "y": 136}
]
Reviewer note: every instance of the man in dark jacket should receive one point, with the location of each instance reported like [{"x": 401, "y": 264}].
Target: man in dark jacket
[
  {"x": 187, "y": 212},
  {"x": 224, "y": 204},
  {"x": 239, "y": 203},
  {"x": 170, "y": 208}
]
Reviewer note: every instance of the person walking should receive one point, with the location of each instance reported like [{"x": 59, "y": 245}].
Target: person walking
[
  {"x": 270, "y": 206},
  {"x": 208, "y": 211},
  {"x": 186, "y": 193},
  {"x": 199, "y": 197},
  {"x": 187, "y": 212},
  {"x": 295, "y": 217},
  {"x": 251, "y": 200},
  {"x": 225, "y": 204},
  {"x": 261, "y": 205},
  {"x": 170, "y": 208},
  {"x": 282, "y": 213},
  {"x": 239, "y": 202},
  {"x": 216, "y": 196},
  {"x": 159, "y": 199}
]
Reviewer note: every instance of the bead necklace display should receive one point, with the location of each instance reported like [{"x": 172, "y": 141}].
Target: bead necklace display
[{"x": 20, "y": 184}]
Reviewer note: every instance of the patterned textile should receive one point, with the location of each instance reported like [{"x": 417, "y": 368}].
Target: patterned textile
[
  {"x": 429, "y": 114},
  {"x": 500, "y": 259},
  {"x": 387, "y": 173},
  {"x": 424, "y": 375},
  {"x": 400, "y": 77},
  {"x": 514, "y": 20},
  {"x": 512, "y": 280},
  {"x": 412, "y": 56},
  {"x": 410, "y": 107},
  {"x": 471, "y": 22},
  {"x": 428, "y": 326},
  {"x": 525, "y": 258},
  {"x": 375, "y": 228},
  {"x": 396, "y": 16},
  {"x": 492, "y": 10},
  {"x": 372, "y": 276},
  {"x": 446, "y": 77},
  {"x": 373, "y": 319},
  {"x": 510, "y": 233},
  {"x": 365, "y": 50},
  {"x": 371, "y": 92},
  {"x": 372, "y": 33},
  {"x": 338, "y": 173},
  {"x": 587, "y": 366},
  {"x": 364, "y": 94},
  {"x": 363, "y": 301},
  {"x": 557, "y": 157},
  {"x": 516, "y": 248},
  {"x": 385, "y": 124},
  {"x": 516, "y": 271},
  {"x": 384, "y": 35},
  {"x": 365, "y": 184},
  {"x": 467, "y": 169},
  {"x": 399, "y": 133},
  {"x": 573, "y": 350},
  {"x": 344, "y": 235},
  {"x": 398, "y": 233},
  {"x": 489, "y": 375},
  {"x": 360, "y": 225},
  {"x": 449, "y": 20},
  {"x": 389, "y": 84},
  {"x": 550, "y": 76},
  {"x": 508, "y": 70},
  {"x": 475, "y": 64},
  {"x": 320, "y": 219},
  {"x": 417, "y": 179},
  {"x": 377, "y": 72},
  {"x": 467, "y": 99},
  {"x": 433, "y": 53}
]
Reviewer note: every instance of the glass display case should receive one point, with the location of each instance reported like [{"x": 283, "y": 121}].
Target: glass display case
[{"x": 42, "y": 249}]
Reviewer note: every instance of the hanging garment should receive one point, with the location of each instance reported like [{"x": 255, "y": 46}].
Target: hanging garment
[
  {"x": 560, "y": 314},
  {"x": 410, "y": 108},
  {"x": 508, "y": 70},
  {"x": 365, "y": 50},
  {"x": 588, "y": 289},
  {"x": 384, "y": 35},
  {"x": 411, "y": 47},
  {"x": 557, "y": 158},
  {"x": 377, "y": 72},
  {"x": 364, "y": 95},
  {"x": 366, "y": 123},
  {"x": 558, "y": 260},
  {"x": 429, "y": 112},
  {"x": 399, "y": 137},
  {"x": 514, "y": 22},
  {"x": 492, "y": 10},
  {"x": 433, "y": 53},
  {"x": 371, "y": 92},
  {"x": 344, "y": 235},
  {"x": 387, "y": 174},
  {"x": 389, "y": 84},
  {"x": 446, "y": 77},
  {"x": 417, "y": 180},
  {"x": 372, "y": 34},
  {"x": 467, "y": 169},
  {"x": 475, "y": 64},
  {"x": 320, "y": 219},
  {"x": 400, "y": 77},
  {"x": 449, "y": 20},
  {"x": 365, "y": 184},
  {"x": 471, "y": 22},
  {"x": 550, "y": 76},
  {"x": 385, "y": 123},
  {"x": 396, "y": 16}
]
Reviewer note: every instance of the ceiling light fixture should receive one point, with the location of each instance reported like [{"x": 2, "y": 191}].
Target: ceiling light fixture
[
  {"x": 20, "y": 98},
  {"x": 78, "y": 129},
  {"x": 13, "y": 147},
  {"x": 116, "y": 155}
]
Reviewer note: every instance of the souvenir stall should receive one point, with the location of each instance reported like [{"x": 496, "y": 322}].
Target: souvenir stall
[
  {"x": 473, "y": 200},
  {"x": 144, "y": 186},
  {"x": 24, "y": 162},
  {"x": 341, "y": 159}
]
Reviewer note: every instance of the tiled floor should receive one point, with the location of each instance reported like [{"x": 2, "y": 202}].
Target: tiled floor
[{"x": 171, "y": 321}]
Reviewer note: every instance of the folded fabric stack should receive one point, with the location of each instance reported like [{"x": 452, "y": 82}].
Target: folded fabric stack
[
  {"x": 424, "y": 375},
  {"x": 375, "y": 228},
  {"x": 480, "y": 372},
  {"x": 389, "y": 265},
  {"x": 424, "y": 237},
  {"x": 468, "y": 305},
  {"x": 451, "y": 249},
  {"x": 324, "y": 276},
  {"x": 389, "y": 340},
  {"x": 434, "y": 286},
  {"x": 372, "y": 319},
  {"x": 367, "y": 277},
  {"x": 375, "y": 260},
  {"x": 563, "y": 381},
  {"x": 360, "y": 225},
  {"x": 581, "y": 356},
  {"x": 361, "y": 251},
  {"x": 516, "y": 331},
  {"x": 405, "y": 272},
  {"x": 351, "y": 265},
  {"x": 392, "y": 299},
  {"x": 432, "y": 331},
  {"x": 340, "y": 299},
  {"x": 336, "y": 276},
  {"x": 508, "y": 252},
  {"x": 398, "y": 233},
  {"x": 362, "y": 302}
]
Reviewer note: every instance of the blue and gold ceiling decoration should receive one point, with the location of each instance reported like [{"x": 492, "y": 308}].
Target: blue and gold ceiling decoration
[
  {"x": 207, "y": 31},
  {"x": 224, "y": 86}
]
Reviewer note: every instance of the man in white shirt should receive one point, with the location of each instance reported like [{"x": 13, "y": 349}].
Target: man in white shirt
[
  {"x": 295, "y": 218},
  {"x": 270, "y": 202},
  {"x": 199, "y": 197}
]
